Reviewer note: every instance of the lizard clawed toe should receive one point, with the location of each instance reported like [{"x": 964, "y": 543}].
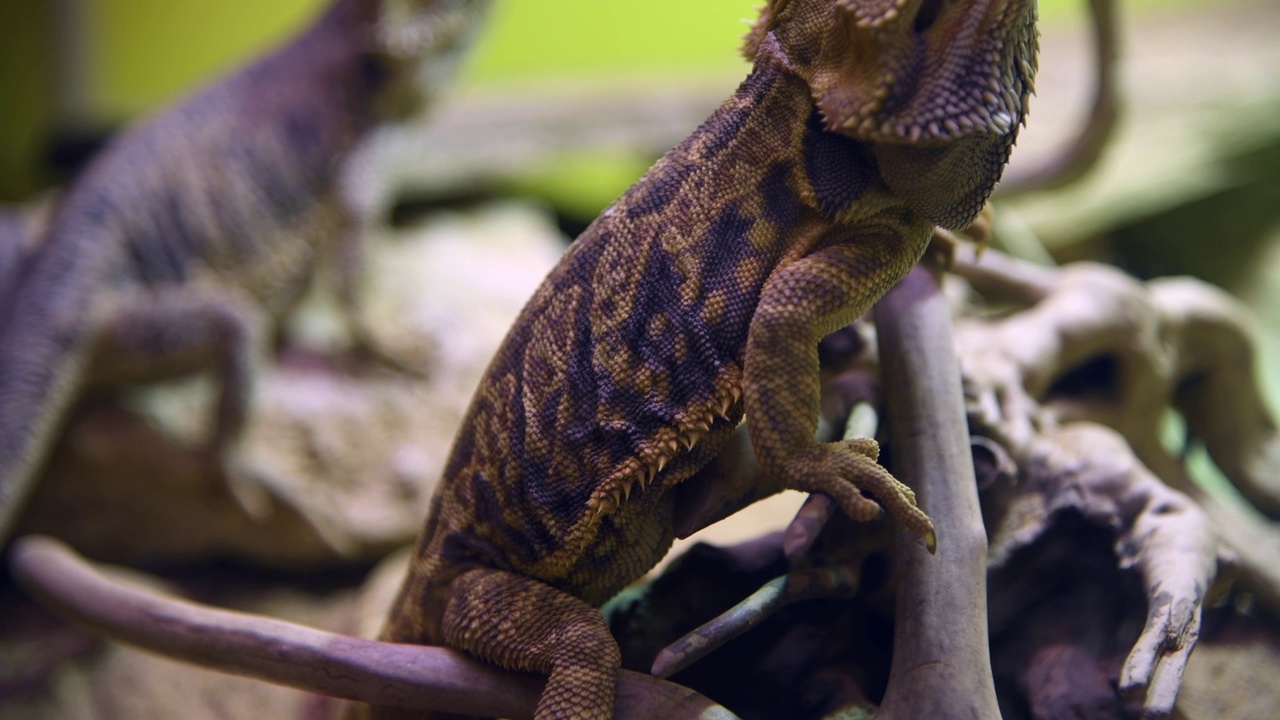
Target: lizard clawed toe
[{"x": 848, "y": 476}]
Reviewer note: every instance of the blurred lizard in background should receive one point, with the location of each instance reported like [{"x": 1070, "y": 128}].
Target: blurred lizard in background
[
  {"x": 185, "y": 242},
  {"x": 700, "y": 297},
  {"x": 21, "y": 228}
]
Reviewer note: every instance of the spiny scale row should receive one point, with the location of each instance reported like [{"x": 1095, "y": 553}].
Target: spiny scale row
[
  {"x": 949, "y": 128},
  {"x": 641, "y": 471}
]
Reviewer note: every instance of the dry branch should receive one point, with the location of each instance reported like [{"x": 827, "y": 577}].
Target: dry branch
[
  {"x": 387, "y": 674},
  {"x": 1134, "y": 351},
  {"x": 941, "y": 662},
  {"x": 810, "y": 584}
]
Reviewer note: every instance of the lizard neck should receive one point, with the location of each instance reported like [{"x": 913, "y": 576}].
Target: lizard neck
[
  {"x": 758, "y": 185},
  {"x": 333, "y": 64},
  {"x": 761, "y": 172}
]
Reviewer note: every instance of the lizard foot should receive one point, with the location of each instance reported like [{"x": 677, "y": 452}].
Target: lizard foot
[
  {"x": 846, "y": 470},
  {"x": 944, "y": 245},
  {"x": 523, "y": 624}
]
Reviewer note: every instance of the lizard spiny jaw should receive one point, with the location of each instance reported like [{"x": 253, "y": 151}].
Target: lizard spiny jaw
[{"x": 929, "y": 71}]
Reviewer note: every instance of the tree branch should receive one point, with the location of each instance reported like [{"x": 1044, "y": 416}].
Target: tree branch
[
  {"x": 411, "y": 676},
  {"x": 941, "y": 660}
]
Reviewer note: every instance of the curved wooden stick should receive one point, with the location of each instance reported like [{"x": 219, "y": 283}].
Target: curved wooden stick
[
  {"x": 410, "y": 676},
  {"x": 1080, "y": 156},
  {"x": 809, "y": 584}
]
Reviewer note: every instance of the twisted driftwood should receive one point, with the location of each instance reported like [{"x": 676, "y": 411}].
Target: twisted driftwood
[{"x": 1099, "y": 346}]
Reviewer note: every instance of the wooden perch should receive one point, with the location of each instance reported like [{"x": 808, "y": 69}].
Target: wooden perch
[
  {"x": 941, "y": 662},
  {"x": 410, "y": 676}
]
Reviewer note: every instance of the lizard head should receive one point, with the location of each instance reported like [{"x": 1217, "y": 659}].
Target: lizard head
[
  {"x": 939, "y": 87},
  {"x": 423, "y": 42}
]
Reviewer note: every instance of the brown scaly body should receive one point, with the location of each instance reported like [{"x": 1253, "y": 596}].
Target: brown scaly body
[
  {"x": 183, "y": 244},
  {"x": 700, "y": 296}
]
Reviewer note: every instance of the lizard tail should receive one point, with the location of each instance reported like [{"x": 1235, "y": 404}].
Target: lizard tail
[
  {"x": 43, "y": 353},
  {"x": 36, "y": 387}
]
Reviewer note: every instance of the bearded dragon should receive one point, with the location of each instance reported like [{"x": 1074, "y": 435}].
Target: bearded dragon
[
  {"x": 184, "y": 243},
  {"x": 698, "y": 297}
]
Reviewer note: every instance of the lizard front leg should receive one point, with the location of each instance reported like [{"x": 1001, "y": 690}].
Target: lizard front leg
[
  {"x": 349, "y": 261},
  {"x": 140, "y": 335},
  {"x": 801, "y": 303},
  {"x": 522, "y": 624},
  {"x": 175, "y": 331}
]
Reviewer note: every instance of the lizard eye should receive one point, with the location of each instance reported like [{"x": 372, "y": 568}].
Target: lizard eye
[{"x": 927, "y": 15}]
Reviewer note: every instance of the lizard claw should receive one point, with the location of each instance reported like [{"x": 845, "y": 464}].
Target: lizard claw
[{"x": 844, "y": 471}]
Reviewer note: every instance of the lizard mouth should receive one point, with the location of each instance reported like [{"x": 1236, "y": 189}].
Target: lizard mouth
[{"x": 930, "y": 71}]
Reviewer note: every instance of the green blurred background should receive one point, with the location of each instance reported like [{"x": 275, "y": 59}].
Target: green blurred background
[{"x": 88, "y": 65}]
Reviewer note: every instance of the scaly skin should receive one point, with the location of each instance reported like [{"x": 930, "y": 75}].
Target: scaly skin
[
  {"x": 13, "y": 243},
  {"x": 184, "y": 243},
  {"x": 699, "y": 295}
]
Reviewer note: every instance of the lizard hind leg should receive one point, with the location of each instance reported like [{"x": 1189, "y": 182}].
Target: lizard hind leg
[{"x": 523, "y": 624}]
